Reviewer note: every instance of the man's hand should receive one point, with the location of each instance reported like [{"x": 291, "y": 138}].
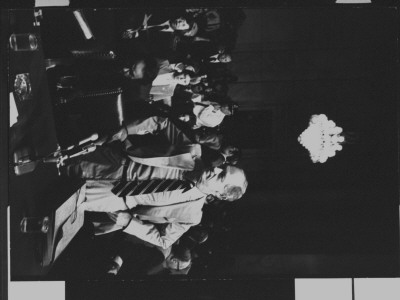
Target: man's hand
[
  {"x": 184, "y": 118},
  {"x": 121, "y": 218},
  {"x": 130, "y": 33},
  {"x": 120, "y": 135},
  {"x": 145, "y": 20}
]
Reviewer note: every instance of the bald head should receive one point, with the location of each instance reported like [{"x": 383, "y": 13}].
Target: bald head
[{"x": 226, "y": 183}]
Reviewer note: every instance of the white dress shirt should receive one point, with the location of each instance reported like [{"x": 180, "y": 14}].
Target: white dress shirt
[
  {"x": 208, "y": 116},
  {"x": 180, "y": 210}
]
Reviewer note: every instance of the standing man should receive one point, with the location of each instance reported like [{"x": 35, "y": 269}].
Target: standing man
[
  {"x": 141, "y": 196},
  {"x": 140, "y": 192}
]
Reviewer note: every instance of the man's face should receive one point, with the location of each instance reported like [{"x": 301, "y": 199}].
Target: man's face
[
  {"x": 226, "y": 110},
  {"x": 225, "y": 58},
  {"x": 180, "y": 24},
  {"x": 182, "y": 79},
  {"x": 138, "y": 69},
  {"x": 214, "y": 181}
]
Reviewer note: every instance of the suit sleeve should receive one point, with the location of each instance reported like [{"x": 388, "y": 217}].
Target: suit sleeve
[
  {"x": 150, "y": 233},
  {"x": 150, "y": 125},
  {"x": 165, "y": 67}
]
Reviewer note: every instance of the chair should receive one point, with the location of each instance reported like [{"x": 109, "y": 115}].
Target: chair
[{"x": 99, "y": 111}]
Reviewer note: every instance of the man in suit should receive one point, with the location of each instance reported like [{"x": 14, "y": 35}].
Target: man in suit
[
  {"x": 169, "y": 139},
  {"x": 139, "y": 192},
  {"x": 138, "y": 214}
]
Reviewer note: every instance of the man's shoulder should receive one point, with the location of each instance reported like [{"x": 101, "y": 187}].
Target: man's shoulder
[{"x": 193, "y": 211}]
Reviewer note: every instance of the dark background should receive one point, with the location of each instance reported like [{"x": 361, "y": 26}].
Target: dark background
[
  {"x": 306, "y": 61},
  {"x": 303, "y": 218}
]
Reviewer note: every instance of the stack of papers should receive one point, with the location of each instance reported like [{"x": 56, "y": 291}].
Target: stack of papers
[{"x": 13, "y": 110}]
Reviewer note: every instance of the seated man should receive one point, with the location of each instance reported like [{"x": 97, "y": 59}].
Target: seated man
[
  {"x": 227, "y": 154},
  {"x": 191, "y": 108},
  {"x": 208, "y": 114}
]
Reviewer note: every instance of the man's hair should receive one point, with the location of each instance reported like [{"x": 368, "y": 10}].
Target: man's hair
[
  {"x": 151, "y": 69},
  {"x": 182, "y": 252},
  {"x": 232, "y": 193},
  {"x": 191, "y": 22},
  {"x": 227, "y": 105},
  {"x": 235, "y": 157},
  {"x": 200, "y": 85}
]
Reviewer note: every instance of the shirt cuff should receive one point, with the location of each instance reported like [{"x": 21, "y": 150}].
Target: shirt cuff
[
  {"x": 118, "y": 260},
  {"x": 131, "y": 225}
]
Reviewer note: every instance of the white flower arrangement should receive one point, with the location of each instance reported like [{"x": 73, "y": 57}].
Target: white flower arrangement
[{"x": 322, "y": 138}]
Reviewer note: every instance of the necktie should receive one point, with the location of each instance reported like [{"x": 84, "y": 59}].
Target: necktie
[{"x": 132, "y": 188}]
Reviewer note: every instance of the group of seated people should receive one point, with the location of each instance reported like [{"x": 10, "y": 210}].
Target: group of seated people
[{"x": 151, "y": 176}]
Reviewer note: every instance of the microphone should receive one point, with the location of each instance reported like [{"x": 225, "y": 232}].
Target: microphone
[
  {"x": 74, "y": 150},
  {"x": 91, "y": 138},
  {"x": 50, "y": 159}
]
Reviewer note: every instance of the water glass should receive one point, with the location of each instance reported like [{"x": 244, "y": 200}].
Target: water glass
[{"x": 23, "y": 42}]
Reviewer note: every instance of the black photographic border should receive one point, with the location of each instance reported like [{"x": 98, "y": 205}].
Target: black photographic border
[{"x": 74, "y": 289}]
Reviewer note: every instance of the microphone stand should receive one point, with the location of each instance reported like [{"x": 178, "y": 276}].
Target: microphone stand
[{"x": 60, "y": 156}]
